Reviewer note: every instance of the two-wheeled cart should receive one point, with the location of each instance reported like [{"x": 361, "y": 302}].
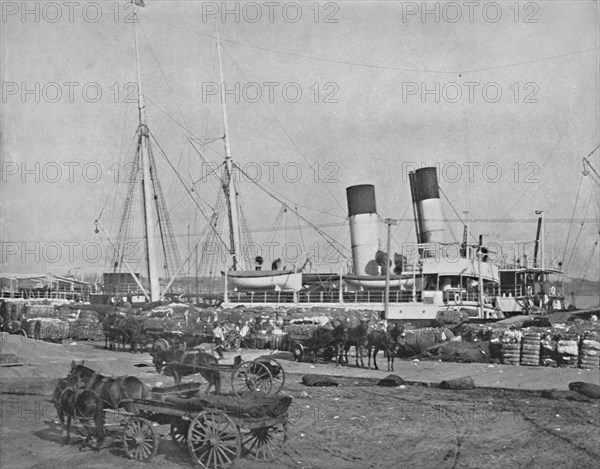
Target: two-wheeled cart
[{"x": 263, "y": 374}]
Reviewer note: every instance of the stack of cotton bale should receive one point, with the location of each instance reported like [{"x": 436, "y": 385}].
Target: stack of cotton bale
[
  {"x": 548, "y": 354},
  {"x": 51, "y": 329},
  {"x": 87, "y": 326},
  {"x": 40, "y": 311},
  {"x": 530, "y": 348},
  {"x": 511, "y": 347},
  {"x": 568, "y": 349},
  {"x": 589, "y": 353}
]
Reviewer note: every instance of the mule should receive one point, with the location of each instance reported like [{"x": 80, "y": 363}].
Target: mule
[
  {"x": 112, "y": 391},
  {"x": 339, "y": 339},
  {"x": 388, "y": 341},
  {"x": 179, "y": 363},
  {"x": 110, "y": 328},
  {"x": 380, "y": 340},
  {"x": 358, "y": 338},
  {"x": 81, "y": 404}
]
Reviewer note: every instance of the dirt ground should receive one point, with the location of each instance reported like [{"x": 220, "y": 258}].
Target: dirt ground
[{"x": 354, "y": 425}]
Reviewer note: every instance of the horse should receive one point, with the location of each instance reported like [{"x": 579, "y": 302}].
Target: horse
[
  {"x": 358, "y": 338},
  {"x": 110, "y": 328},
  {"x": 380, "y": 340},
  {"x": 339, "y": 339},
  {"x": 129, "y": 331},
  {"x": 388, "y": 341},
  {"x": 83, "y": 404},
  {"x": 178, "y": 363},
  {"x": 112, "y": 391}
]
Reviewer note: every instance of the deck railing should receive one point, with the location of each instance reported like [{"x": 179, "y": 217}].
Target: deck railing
[
  {"x": 44, "y": 295},
  {"x": 303, "y": 297}
]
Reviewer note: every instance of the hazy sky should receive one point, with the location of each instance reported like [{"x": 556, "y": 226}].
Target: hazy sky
[{"x": 516, "y": 95}]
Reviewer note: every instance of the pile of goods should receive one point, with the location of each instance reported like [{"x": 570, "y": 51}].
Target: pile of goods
[
  {"x": 570, "y": 345},
  {"x": 511, "y": 347},
  {"x": 589, "y": 357},
  {"x": 87, "y": 326},
  {"x": 51, "y": 329},
  {"x": 567, "y": 349},
  {"x": 530, "y": 351}
]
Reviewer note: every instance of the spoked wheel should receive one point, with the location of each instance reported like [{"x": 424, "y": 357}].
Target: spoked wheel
[
  {"x": 139, "y": 439},
  {"x": 264, "y": 444},
  {"x": 276, "y": 371},
  {"x": 298, "y": 352},
  {"x": 229, "y": 342},
  {"x": 214, "y": 440},
  {"x": 172, "y": 371},
  {"x": 251, "y": 377},
  {"x": 160, "y": 345},
  {"x": 179, "y": 433}
]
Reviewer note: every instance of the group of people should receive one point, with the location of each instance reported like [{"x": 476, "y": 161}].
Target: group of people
[{"x": 243, "y": 332}]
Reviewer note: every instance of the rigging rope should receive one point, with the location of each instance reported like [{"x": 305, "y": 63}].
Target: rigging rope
[
  {"x": 562, "y": 261},
  {"x": 375, "y": 66},
  {"x": 321, "y": 232},
  {"x": 282, "y": 128}
]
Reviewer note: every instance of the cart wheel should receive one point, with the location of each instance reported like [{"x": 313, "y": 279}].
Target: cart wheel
[
  {"x": 229, "y": 343},
  {"x": 179, "y": 433},
  {"x": 298, "y": 352},
  {"x": 160, "y": 345},
  {"x": 139, "y": 439},
  {"x": 214, "y": 440},
  {"x": 266, "y": 443},
  {"x": 276, "y": 371},
  {"x": 251, "y": 377},
  {"x": 173, "y": 372}
]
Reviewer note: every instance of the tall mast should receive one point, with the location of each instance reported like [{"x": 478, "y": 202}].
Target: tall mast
[
  {"x": 228, "y": 181},
  {"x": 151, "y": 256}
]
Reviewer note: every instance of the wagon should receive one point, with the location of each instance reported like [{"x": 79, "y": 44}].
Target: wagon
[
  {"x": 216, "y": 430},
  {"x": 263, "y": 375},
  {"x": 310, "y": 341}
]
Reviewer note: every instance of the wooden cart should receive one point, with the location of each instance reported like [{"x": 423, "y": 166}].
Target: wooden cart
[
  {"x": 216, "y": 430},
  {"x": 262, "y": 375}
]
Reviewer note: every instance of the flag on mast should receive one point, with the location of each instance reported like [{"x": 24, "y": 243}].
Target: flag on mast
[{"x": 139, "y": 3}]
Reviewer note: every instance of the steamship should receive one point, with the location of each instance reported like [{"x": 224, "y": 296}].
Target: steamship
[{"x": 435, "y": 285}]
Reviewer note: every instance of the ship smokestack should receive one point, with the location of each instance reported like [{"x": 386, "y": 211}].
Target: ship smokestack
[
  {"x": 428, "y": 208},
  {"x": 364, "y": 234}
]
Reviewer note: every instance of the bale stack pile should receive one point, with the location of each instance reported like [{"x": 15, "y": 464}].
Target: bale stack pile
[
  {"x": 568, "y": 349},
  {"x": 548, "y": 353},
  {"x": 87, "y": 326},
  {"x": 511, "y": 347},
  {"x": 51, "y": 329},
  {"x": 589, "y": 355},
  {"x": 530, "y": 350},
  {"x": 40, "y": 311}
]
